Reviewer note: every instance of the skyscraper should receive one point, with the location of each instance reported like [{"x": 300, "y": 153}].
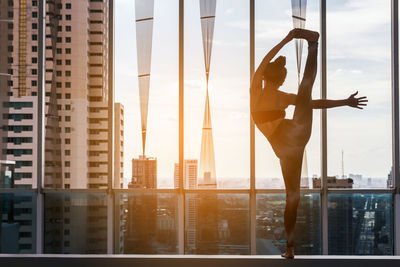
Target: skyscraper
[
  {"x": 18, "y": 84},
  {"x": 118, "y": 145},
  {"x": 189, "y": 182},
  {"x": 19, "y": 55},
  {"x": 77, "y": 122},
  {"x": 144, "y": 173},
  {"x": 189, "y": 174},
  {"x": 77, "y": 33}
]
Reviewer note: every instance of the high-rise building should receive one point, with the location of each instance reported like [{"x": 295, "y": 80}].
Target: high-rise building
[
  {"x": 189, "y": 174},
  {"x": 77, "y": 53},
  {"x": 389, "y": 181},
  {"x": 189, "y": 182},
  {"x": 144, "y": 173},
  {"x": 77, "y": 122},
  {"x": 19, "y": 58},
  {"x": 118, "y": 145},
  {"x": 18, "y": 84}
]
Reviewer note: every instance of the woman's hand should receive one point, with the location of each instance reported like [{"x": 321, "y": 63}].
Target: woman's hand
[
  {"x": 310, "y": 36},
  {"x": 356, "y": 102},
  {"x": 292, "y": 34}
]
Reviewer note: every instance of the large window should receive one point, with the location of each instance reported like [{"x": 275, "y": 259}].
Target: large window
[{"x": 76, "y": 178}]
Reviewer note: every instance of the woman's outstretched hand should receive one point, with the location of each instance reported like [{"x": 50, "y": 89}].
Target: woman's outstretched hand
[{"x": 356, "y": 102}]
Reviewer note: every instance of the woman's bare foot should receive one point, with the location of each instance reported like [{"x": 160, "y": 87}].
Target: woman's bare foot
[
  {"x": 310, "y": 36},
  {"x": 289, "y": 253}
]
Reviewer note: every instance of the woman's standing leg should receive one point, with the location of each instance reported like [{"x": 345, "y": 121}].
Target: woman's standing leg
[{"x": 291, "y": 170}]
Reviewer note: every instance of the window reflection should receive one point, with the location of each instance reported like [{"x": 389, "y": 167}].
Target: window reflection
[
  {"x": 17, "y": 223},
  {"x": 360, "y": 224},
  {"x": 217, "y": 224},
  {"x": 75, "y": 223},
  {"x": 147, "y": 224},
  {"x": 270, "y": 230}
]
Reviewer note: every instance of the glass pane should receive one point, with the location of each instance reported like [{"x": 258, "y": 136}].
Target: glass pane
[
  {"x": 161, "y": 141},
  {"x": 217, "y": 224},
  {"x": 217, "y": 135},
  {"x": 77, "y": 118},
  {"x": 270, "y": 230},
  {"x": 75, "y": 223},
  {"x": 19, "y": 55},
  {"x": 359, "y": 141},
  {"x": 273, "y": 22},
  {"x": 147, "y": 224},
  {"x": 17, "y": 223},
  {"x": 360, "y": 224}
]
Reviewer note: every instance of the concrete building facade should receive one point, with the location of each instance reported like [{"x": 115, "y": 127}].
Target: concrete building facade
[
  {"x": 118, "y": 145},
  {"x": 77, "y": 122},
  {"x": 190, "y": 171},
  {"x": 144, "y": 173}
]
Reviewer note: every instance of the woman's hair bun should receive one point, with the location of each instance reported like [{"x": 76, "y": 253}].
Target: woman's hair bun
[{"x": 275, "y": 71}]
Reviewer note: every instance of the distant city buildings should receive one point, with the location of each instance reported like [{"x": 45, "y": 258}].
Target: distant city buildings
[
  {"x": 208, "y": 182},
  {"x": 389, "y": 182},
  {"x": 189, "y": 182},
  {"x": 359, "y": 224},
  {"x": 334, "y": 182},
  {"x": 190, "y": 170},
  {"x": 144, "y": 173}
]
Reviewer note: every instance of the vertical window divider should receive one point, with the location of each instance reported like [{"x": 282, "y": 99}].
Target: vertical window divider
[
  {"x": 395, "y": 120},
  {"x": 253, "y": 203},
  {"x": 324, "y": 159},
  {"x": 181, "y": 190},
  {"x": 110, "y": 193},
  {"x": 40, "y": 130}
]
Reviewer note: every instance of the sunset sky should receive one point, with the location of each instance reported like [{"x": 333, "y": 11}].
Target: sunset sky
[{"x": 358, "y": 49}]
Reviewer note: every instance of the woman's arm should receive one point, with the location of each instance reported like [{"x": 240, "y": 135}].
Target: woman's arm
[
  {"x": 352, "y": 101},
  {"x": 328, "y": 103},
  {"x": 256, "y": 82},
  {"x": 257, "y": 78}
]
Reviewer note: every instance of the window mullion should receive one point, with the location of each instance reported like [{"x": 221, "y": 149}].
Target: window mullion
[
  {"x": 181, "y": 195},
  {"x": 395, "y": 120},
  {"x": 324, "y": 159},
  {"x": 252, "y": 198},
  {"x": 40, "y": 131}
]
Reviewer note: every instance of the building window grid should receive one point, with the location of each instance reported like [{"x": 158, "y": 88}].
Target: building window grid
[{"x": 252, "y": 192}]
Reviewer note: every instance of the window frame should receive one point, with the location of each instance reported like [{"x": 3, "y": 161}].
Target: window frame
[{"x": 324, "y": 191}]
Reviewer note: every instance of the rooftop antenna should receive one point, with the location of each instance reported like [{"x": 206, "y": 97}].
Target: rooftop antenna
[{"x": 342, "y": 164}]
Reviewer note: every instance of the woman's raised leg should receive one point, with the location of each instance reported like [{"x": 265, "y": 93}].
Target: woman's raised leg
[{"x": 303, "y": 109}]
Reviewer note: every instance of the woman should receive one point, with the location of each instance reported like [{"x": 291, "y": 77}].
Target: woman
[{"x": 288, "y": 138}]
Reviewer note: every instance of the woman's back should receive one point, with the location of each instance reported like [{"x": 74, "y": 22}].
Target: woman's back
[{"x": 269, "y": 110}]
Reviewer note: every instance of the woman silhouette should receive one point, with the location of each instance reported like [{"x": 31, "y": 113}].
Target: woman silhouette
[{"x": 288, "y": 138}]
